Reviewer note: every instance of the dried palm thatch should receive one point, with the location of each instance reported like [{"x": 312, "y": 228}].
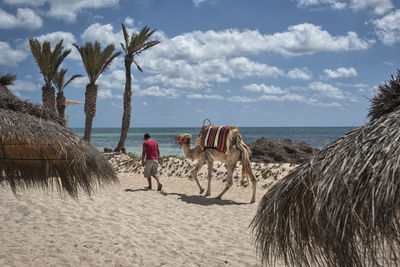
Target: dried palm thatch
[
  {"x": 36, "y": 151},
  {"x": 387, "y": 99},
  {"x": 342, "y": 208}
]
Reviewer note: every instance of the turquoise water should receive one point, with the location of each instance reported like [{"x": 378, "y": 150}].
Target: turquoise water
[{"x": 108, "y": 137}]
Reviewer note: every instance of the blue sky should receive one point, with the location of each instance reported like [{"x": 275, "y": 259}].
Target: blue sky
[{"x": 246, "y": 63}]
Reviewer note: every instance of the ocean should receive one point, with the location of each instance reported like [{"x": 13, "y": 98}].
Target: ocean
[{"x": 317, "y": 137}]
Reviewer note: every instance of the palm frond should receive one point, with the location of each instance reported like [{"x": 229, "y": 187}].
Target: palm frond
[
  {"x": 7, "y": 79},
  {"x": 47, "y": 60},
  {"x": 137, "y": 44},
  {"x": 95, "y": 60},
  {"x": 137, "y": 65},
  {"x": 139, "y": 41},
  {"x": 126, "y": 35},
  {"x": 58, "y": 79},
  {"x": 72, "y": 78},
  {"x": 124, "y": 48}
]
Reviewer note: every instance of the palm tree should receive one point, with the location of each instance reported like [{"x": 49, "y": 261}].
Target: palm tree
[
  {"x": 60, "y": 84},
  {"x": 48, "y": 62},
  {"x": 95, "y": 62},
  {"x": 7, "y": 79},
  {"x": 134, "y": 46}
]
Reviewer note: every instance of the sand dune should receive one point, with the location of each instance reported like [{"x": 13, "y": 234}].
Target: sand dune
[{"x": 124, "y": 225}]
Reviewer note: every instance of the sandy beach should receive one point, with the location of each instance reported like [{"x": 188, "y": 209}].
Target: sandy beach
[{"x": 125, "y": 225}]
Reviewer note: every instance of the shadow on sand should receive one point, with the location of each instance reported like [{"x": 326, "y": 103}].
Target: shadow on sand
[
  {"x": 137, "y": 190},
  {"x": 195, "y": 199}
]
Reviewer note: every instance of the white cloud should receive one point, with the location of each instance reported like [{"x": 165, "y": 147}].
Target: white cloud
[
  {"x": 184, "y": 74},
  {"x": 202, "y": 59},
  {"x": 105, "y": 93},
  {"x": 102, "y": 33},
  {"x": 327, "y": 90},
  {"x": 300, "y": 74},
  {"x": 242, "y": 99},
  {"x": 129, "y": 21},
  {"x": 388, "y": 28},
  {"x": 25, "y": 18},
  {"x": 21, "y": 85},
  {"x": 280, "y": 98},
  {"x": 66, "y": 10},
  {"x": 388, "y": 63},
  {"x": 359, "y": 87},
  {"x": 262, "y": 88},
  {"x": 25, "y": 2},
  {"x": 113, "y": 80},
  {"x": 106, "y": 82},
  {"x": 340, "y": 73},
  {"x": 301, "y": 39},
  {"x": 159, "y": 92},
  {"x": 379, "y": 6},
  {"x": 308, "y": 39},
  {"x": 353, "y": 85},
  {"x": 80, "y": 82},
  {"x": 276, "y": 98},
  {"x": 188, "y": 74},
  {"x": 9, "y": 56},
  {"x": 240, "y": 67},
  {"x": 199, "y": 96},
  {"x": 198, "y": 2},
  {"x": 117, "y": 105},
  {"x": 55, "y": 37},
  {"x": 286, "y": 97},
  {"x": 332, "y": 3}
]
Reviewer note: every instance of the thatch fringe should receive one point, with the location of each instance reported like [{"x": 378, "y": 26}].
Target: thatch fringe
[
  {"x": 36, "y": 151},
  {"x": 342, "y": 207},
  {"x": 387, "y": 98}
]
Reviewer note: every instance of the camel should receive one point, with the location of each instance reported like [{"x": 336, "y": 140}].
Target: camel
[{"x": 237, "y": 150}]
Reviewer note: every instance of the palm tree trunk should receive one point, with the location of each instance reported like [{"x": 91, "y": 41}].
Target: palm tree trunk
[
  {"x": 126, "y": 117},
  {"x": 90, "y": 109},
  {"x": 61, "y": 106},
  {"x": 49, "y": 97}
]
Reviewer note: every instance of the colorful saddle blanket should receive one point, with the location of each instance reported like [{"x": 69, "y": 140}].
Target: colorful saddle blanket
[{"x": 215, "y": 137}]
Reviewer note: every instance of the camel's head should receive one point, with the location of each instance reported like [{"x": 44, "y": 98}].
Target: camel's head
[{"x": 181, "y": 139}]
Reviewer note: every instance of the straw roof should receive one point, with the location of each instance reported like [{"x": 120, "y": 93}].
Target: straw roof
[
  {"x": 37, "y": 151},
  {"x": 342, "y": 207}
]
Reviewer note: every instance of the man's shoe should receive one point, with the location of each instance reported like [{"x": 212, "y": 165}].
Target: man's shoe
[{"x": 159, "y": 187}]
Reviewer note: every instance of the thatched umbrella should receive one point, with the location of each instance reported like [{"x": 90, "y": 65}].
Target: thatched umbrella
[
  {"x": 37, "y": 151},
  {"x": 72, "y": 103},
  {"x": 342, "y": 207}
]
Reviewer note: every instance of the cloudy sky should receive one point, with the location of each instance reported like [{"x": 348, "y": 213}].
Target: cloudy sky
[{"x": 247, "y": 63}]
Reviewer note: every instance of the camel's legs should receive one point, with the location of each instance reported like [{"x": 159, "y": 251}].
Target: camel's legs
[
  {"x": 229, "y": 181},
  {"x": 254, "y": 182},
  {"x": 200, "y": 164},
  {"x": 210, "y": 167}
]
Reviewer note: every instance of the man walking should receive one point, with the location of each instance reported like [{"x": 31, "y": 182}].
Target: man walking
[{"x": 152, "y": 154}]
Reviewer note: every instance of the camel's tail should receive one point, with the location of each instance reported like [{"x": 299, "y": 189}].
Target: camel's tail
[{"x": 245, "y": 159}]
